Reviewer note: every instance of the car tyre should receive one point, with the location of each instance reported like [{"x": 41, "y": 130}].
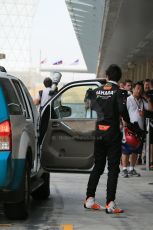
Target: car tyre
[
  {"x": 43, "y": 192},
  {"x": 19, "y": 211}
]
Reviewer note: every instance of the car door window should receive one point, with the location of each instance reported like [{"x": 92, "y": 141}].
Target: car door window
[
  {"x": 11, "y": 97},
  {"x": 73, "y": 103},
  {"x": 22, "y": 98},
  {"x": 29, "y": 99}
]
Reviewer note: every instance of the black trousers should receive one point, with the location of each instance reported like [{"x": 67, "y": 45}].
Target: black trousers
[{"x": 107, "y": 147}]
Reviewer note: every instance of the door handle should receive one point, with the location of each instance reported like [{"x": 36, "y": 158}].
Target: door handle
[{"x": 55, "y": 124}]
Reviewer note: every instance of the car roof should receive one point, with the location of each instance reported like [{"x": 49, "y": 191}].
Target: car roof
[{"x": 7, "y": 76}]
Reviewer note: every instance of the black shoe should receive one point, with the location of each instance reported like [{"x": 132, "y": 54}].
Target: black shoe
[
  {"x": 133, "y": 173},
  {"x": 124, "y": 173}
]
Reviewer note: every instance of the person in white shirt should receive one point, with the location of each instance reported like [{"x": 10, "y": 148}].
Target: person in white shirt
[
  {"x": 44, "y": 95},
  {"x": 136, "y": 106},
  {"x": 49, "y": 91}
]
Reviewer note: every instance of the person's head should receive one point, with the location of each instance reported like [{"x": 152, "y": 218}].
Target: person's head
[
  {"x": 151, "y": 84},
  {"x": 2, "y": 69},
  {"x": 146, "y": 84},
  {"x": 47, "y": 82},
  {"x": 114, "y": 73},
  {"x": 138, "y": 89},
  {"x": 128, "y": 85},
  {"x": 121, "y": 85}
]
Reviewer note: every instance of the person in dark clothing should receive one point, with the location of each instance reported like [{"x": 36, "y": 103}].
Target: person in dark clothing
[
  {"x": 110, "y": 105},
  {"x": 149, "y": 95}
]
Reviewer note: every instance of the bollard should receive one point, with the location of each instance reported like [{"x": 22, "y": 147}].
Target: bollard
[{"x": 147, "y": 147}]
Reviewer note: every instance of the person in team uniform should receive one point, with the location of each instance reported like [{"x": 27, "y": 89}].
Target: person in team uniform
[{"x": 110, "y": 105}]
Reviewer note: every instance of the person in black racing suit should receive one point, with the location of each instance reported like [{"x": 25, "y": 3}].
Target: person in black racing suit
[{"x": 110, "y": 105}]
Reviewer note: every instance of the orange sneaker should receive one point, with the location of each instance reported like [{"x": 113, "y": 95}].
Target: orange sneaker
[
  {"x": 111, "y": 208},
  {"x": 91, "y": 204}
]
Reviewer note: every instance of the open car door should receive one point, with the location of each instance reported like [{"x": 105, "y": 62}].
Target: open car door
[{"x": 67, "y": 129}]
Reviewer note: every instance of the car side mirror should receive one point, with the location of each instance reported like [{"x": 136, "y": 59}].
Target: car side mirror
[{"x": 65, "y": 111}]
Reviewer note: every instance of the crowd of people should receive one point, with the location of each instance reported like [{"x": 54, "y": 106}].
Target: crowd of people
[
  {"x": 121, "y": 109},
  {"x": 139, "y": 99}
]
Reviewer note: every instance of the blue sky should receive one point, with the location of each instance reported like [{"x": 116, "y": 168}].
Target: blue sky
[{"x": 53, "y": 34}]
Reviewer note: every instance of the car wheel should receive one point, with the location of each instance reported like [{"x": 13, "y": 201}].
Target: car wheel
[
  {"x": 43, "y": 191},
  {"x": 19, "y": 211}
]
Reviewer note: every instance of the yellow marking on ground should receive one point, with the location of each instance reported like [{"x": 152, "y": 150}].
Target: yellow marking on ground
[
  {"x": 67, "y": 226},
  {"x": 5, "y": 225}
]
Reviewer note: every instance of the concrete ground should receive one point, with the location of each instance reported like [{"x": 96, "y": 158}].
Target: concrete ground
[{"x": 65, "y": 205}]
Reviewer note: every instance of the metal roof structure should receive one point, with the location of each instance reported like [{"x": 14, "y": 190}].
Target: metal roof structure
[
  {"x": 16, "y": 19},
  {"x": 86, "y": 17},
  {"x": 113, "y": 31}
]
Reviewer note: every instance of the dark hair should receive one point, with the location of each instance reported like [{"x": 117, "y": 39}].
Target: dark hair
[
  {"x": 140, "y": 83},
  {"x": 47, "y": 82},
  {"x": 128, "y": 81},
  {"x": 2, "y": 69},
  {"x": 114, "y": 72},
  {"x": 146, "y": 80}
]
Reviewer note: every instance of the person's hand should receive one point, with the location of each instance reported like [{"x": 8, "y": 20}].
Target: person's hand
[{"x": 134, "y": 127}]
